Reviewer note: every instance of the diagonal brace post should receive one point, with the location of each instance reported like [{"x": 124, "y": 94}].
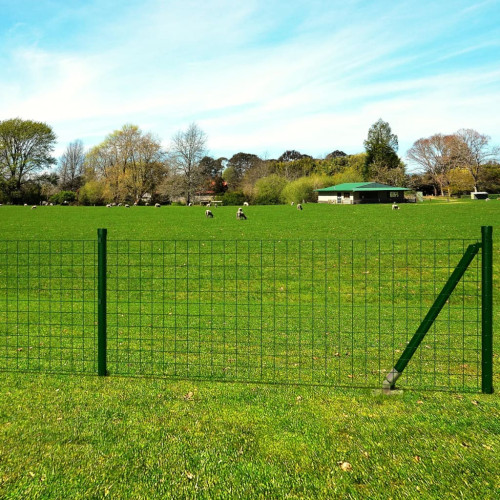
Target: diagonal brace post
[{"x": 430, "y": 317}]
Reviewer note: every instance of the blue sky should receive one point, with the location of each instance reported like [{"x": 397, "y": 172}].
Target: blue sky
[{"x": 258, "y": 76}]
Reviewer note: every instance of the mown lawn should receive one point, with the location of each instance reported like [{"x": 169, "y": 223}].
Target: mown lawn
[
  {"x": 68, "y": 436},
  {"x": 455, "y": 219},
  {"x": 72, "y": 437}
]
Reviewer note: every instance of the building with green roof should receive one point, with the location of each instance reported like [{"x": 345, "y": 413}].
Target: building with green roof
[{"x": 353, "y": 193}]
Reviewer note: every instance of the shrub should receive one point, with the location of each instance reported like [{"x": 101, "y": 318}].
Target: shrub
[
  {"x": 268, "y": 190},
  {"x": 304, "y": 188},
  {"x": 91, "y": 193},
  {"x": 63, "y": 197},
  {"x": 233, "y": 198}
]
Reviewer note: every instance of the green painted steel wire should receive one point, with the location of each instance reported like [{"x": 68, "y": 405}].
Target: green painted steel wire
[{"x": 322, "y": 312}]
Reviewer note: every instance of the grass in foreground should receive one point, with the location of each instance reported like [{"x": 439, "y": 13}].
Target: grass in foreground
[
  {"x": 83, "y": 437},
  {"x": 71, "y": 437}
]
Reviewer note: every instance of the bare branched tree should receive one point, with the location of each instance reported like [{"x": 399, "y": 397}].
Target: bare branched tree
[
  {"x": 71, "y": 166},
  {"x": 186, "y": 151},
  {"x": 472, "y": 150},
  {"x": 434, "y": 156}
]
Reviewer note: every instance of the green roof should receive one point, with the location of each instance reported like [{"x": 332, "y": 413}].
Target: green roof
[{"x": 361, "y": 187}]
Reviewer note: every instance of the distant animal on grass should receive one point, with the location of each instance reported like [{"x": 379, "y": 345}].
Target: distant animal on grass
[
  {"x": 157, "y": 205},
  {"x": 245, "y": 204},
  {"x": 240, "y": 214},
  {"x": 209, "y": 214},
  {"x": 395, "y": 206},
  {"x": 299, "y": 206}
]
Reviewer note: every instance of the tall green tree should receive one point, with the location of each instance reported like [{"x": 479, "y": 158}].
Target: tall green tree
[
  {"x": 237, "y": 166},
  {"x": 381, "y": 148},
  {"x": 26, "y": 148}
]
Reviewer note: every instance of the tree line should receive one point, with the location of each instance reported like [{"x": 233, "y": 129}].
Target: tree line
[{"x": 132, "y": 166}]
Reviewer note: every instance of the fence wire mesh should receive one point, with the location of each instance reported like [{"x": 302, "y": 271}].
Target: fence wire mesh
[
  {"x": 290, "y": 311},
  {"x": 47, "y": 305},
  {"x": 311, "y": 312}
]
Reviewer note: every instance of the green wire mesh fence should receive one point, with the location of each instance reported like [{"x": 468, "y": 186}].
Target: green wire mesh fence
[
  {"x": 308, "y": 312},
  {"x": 48, "y": 305}
]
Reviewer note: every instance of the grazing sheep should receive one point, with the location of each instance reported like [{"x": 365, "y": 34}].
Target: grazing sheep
[
  {"x": 292, "y": 203},
  {"x": 51, "y": 204},
  {"x": 190, "y": 204},
  {"x": 245, "y": 204},
  {"x": 127, "y": 205},
  {"x": 240, "y": 214},
  {"x": 25, "y": 204},
  {"x": 108, "y": 205},
  {"x": 119, "y": 205},
  {"x": 208, "y": 204},
  {"x": 395, "y": 206},
  {"x": 33, "y": 207},
  {"x": 209, "y": 214},
  {"x": 157, "y": 205},
  {"x": 299, "y": 206}
]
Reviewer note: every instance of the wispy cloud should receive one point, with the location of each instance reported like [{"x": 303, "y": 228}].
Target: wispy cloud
[{"x": 259, "y": 77}]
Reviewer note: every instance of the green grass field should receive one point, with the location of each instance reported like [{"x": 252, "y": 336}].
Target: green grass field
[{"x": 73, "y": 436}]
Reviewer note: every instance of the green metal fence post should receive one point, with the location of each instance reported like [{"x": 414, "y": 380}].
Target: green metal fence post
[
  {"x": 101, "y": 298},
  {"x": 487, "y": 310}
]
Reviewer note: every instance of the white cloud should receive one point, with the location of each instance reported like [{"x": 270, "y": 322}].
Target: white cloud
[{"x": 249, "y": 84}]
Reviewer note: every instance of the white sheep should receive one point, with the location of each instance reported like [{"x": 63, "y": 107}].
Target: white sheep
[
  {"x": 157, "y": 205},
  {"x": 208, "y": 204},
  {"x": 190, "y": 204},
  {"x": 299, "y": 206},
  {"x": 245, "y": 204},
  {"x": 395, "y": 206},
  {"x": 108, "y": 205},
  {"x": 33, "y": 207},
  {"x": 240, "y": 214},
  {"x": 209, "y": 214},
  {"x": 292, "y": 203},
  {"x": 127, "y": 205}
]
